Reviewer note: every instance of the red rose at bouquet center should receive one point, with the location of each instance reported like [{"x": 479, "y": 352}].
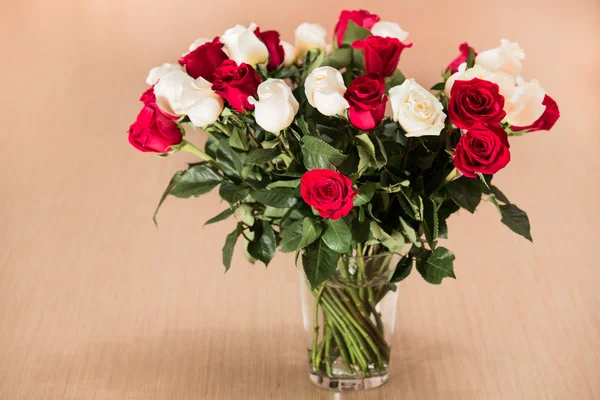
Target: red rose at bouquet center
[
  {"x": 482, "y": 149},
  {"x": 204, "y": 60},
  {"x": 359, "y": 17},
  {"x": 153, "y": 131},
  {"x": 328, "y": 192},
  {"x": 367, "y": 100},
  {"x": 235, "y": 83},
  {"x": 276, "y": 53},
  {"x": 381, "y": 54},
  {"x": 475, "y": 101},
  {"x": 461, "y": 58},
  {"x": 546, "y": 121}
]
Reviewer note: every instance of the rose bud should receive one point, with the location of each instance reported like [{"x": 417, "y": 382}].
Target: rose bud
[
  {"x": 274, "y": 46},
  {"x": 158, "y": 72},
  {"x": 359, "y": 17},
  {"x": 153, "y": 131},
  {"x": 235, "y": 83},
  {"x": 482, "y": 149},
  {"x": 475, "y": 101},
  {"x": 461, "y": 58},
  {"x": 289, "y": 53},
  {"x": 244, "y": 46},
  {"x": 310, "y": 36},
  {"x": 148, "y": 96},
  {"x": 525, "y": 105},
  {"x": 276, "y": 106},
  {"x": 389, "y": 30},
  {"x": 381, "y": 54},
  {"x": 546, "y": 121},
  {"x": 328, "y": 192},
  {"x": 204, "y": 59},
  {"x": 324, "y": 89},
  {"x": 367, "y": 100}
]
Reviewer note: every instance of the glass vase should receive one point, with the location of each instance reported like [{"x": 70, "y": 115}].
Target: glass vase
[{"x": 349, "y": 322}]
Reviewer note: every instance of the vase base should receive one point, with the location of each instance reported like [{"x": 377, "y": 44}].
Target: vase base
[{"x": 348, "y": 383}]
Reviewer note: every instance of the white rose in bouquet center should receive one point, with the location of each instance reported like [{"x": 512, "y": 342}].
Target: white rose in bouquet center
[
  {"x": 177, "y": 93},
  {"x": 324, "y": 89},
  {"x": 525, "y": 106},
  {"x": 389, "y": 29},
  {"x": 289, "y": 53},
  {"x": 310, "y": 36},
  {"x": 505, "y": 58},
  {"x": 276, "y": 106},
  {"x": 417, "y": 111},
  {"x": 243, "y": 46},
  {"x": 158, "y": 72}
]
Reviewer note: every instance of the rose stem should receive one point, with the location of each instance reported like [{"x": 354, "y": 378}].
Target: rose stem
[
  {"x": 316, "y": 324},
  {"x": 190, "y": 148},
  {"x": 328, "y": 350}
]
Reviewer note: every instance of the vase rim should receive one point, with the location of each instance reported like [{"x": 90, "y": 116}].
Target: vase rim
[{"x": 376, "y": 256}]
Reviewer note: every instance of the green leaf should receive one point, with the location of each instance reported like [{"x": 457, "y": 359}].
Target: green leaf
[
  {"x": 409, "y": 205},
  {"x": 264, "y": 244},
  {"x": 499, "y": 195},
  {"x": 471, "y": 58},
  {"x": 360, "y": 230},
  {"x": 430, "y": 221},
  {"x": 396, "y": 187},
  {"x": 365, "y": 194},
  {"x": 229, "y": 160},
  {"x": 230, "y": 245},
  {"x": 261, "y": 156},
  {"x": 275, "y": 197},
  {"x": 312, "y": 59},
  {"x": 396, "y": 79},
  {"x": 439, "y": 265},
  {"x": 354, "y": 32},
  {"x": 196, "y": 181},
  {"x": 516, "y": 219},
  {"x": 244, "y": 214},
  {"x": 319, "y": 155},
  {"x": 338, "y": 236},
  {"x": 408, "y": 231},
  {"x": 238, "y": 140},
  {"x": 465, "y": 192},
  {"x": 174, "y": 180},
  {"x": 402, "y": 269},
  {"x": 291, "y": 236},
  {"x": 232, "y": 193},
  {"x": 339, "y": 58},
  {"x": 393, "y": 242},
  {"x": 364, "y": 160},
  {"x": 287, "y": 184},
  {"x": 311, "y": 231},
  {"x": 439, "y": 86},
  {"x": 319, "y": 263},
  {"x": 221, "y": 216}
]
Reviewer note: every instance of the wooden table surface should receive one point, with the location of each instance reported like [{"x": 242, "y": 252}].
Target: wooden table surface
[{"x": 95, "y": 303}]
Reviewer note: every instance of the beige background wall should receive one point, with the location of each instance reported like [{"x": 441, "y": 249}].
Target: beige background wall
[{"x": 95, "y": 303}]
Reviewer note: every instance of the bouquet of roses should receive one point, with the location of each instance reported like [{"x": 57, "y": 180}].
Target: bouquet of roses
[{"x": 328, "y": 151}]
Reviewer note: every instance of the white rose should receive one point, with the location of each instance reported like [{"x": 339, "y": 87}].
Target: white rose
[
  {"x": 243, "y": 46},
  {"x": 389, "y": 29},
  {"x": 158, "y": 72},
  {"x": 177, "y": 93},
  {"x": 505, "y": 82},
  {"x": 276, "y": 106},
  {"x": 417, "y": 111},
  {"x": 289, "y": 53},
  {"x": 525, "y": 106},
  {"x": 325, "y": 89},
  {"x": 310, "y": 36},
  {"x": 505, "y": 58}
]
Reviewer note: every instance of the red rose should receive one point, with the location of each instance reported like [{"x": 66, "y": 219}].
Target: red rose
[
  {"x": 461, "y": 58},
  {"x": 475, "y": 101},
  {"x": 482, "y": 149},
  {"x": 235, "y": 83},
  {"x": 367, "y": 99},
  {"x": 204, "y": 60},
  {"x": 153, "y": 131},
  {"x": 328, "y": 192},
  {"x": 546, "y": 121},
  {"x": 359, "y": 17},
  {"x": 271, "y": 40},
  {"x": 148, "y": 96},
  {"x": 381, "y": 54}
]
